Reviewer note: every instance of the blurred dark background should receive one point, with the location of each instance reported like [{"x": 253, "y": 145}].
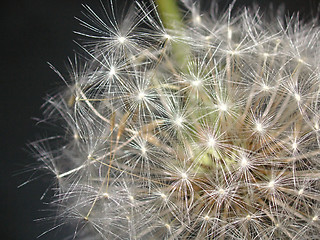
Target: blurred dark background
[{"x": 35, "y": 32}]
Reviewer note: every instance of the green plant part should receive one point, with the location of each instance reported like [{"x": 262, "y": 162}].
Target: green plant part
[{"x": 171, "y": 17}]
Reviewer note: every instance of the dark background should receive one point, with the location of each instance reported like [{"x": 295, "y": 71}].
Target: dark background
[{"x": 34, "y": 32}]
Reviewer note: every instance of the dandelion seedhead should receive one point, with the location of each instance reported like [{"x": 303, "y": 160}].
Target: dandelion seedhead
[{"x": 222, "y": 143}]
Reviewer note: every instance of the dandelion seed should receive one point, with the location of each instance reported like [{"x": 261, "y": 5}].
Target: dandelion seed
[
  {"x": 266, "y": 55},
  {"x": 121, "y": 39},
  {"x": 207, "y": 38},
  {"x": 297, "y": 97},
  {"x": 167, "y": 36},
  {"x": 229, "y": 33},
  {"x": 271, "y": 184},
  {"x": 265, "y": 87},
  {"x": 184, "y": 176},
  {"x": 259, "y": 128},
  {"x": 106, "y": 195},
  {"x": 211, "y": 142},
  {"x": 163, "y": 196},
  {"x": 206, "y": 218},
  {"x": 112, "y": 71},
  {"x": 234, "y": 52},
  {"x": 294, "y": 145},
  {"x": 197, "y": 19},
  {"x": 143, "y": 150},
  {"x": 131, "y": 198},
  {"x": 196, "y": 83},
  {"x": 168, "y": 226},
  {"x": 244, "y": 162},
  {"x": 76, "y": 136},
  {"x": 221, "y": 191},
  {"x": 223, "y": 107},
  {"x": 141, "y": 95},
  {"x": 178, "y": 121}
]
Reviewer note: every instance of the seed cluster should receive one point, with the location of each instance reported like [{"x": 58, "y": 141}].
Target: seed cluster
[{"x": 220, "y": 144}]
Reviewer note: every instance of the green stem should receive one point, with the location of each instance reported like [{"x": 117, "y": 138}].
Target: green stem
[
  {"x": 169, "y": 13},
  {"x": 172, "y": 20}
]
